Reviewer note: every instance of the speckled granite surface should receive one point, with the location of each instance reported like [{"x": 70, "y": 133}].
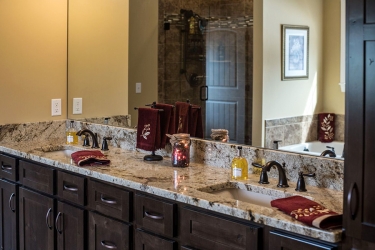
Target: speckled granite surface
[{"x": 209, "y": 171}]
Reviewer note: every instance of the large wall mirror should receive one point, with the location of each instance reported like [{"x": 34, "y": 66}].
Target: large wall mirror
[{"x": 112, "y": 45}]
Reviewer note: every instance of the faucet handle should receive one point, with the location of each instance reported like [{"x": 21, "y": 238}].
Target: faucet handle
[
  {"x": 301, "y": 186},
  {"x": 86, "y": 141},
  {"x": 105, "y": 144},
  {"x": 263, "y": 175}
]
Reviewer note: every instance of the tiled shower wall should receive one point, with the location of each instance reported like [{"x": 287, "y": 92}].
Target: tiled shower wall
[
  {"x": 173, "y": 86},
  {"x": 299, "y": 129}
]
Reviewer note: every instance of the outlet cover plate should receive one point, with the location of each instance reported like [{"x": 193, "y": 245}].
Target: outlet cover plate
[
  {"x": 56, "y": 107},
  {"x": 138, "y": 88},
  {"x": 77, "y": 106}
]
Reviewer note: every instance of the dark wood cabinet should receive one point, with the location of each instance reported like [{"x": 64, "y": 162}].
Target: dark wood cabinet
[
  {"x": 205, "y": 231},
  {"x": 8, "y": 215},
  {"x": 37, "y": 177},
  {"x": 37, "y": 220},
  {"x": 359, "y": 185},
  {"x": 106, "y": 233},
  {"x": 148, "y": 241},
  {"x": 283, "y": 241},
  {"x": 8, "y": 167},
  {"x": 70, "y": 227}
]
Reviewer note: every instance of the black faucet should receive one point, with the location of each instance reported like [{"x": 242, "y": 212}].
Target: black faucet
[
  {"x": 283, "y": 182},
  {"x": 94, "y": 137},
  {"x": 328, "y": 152}
]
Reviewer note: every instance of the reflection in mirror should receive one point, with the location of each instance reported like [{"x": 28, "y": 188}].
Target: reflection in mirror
[{"x": 291, "y": 107}]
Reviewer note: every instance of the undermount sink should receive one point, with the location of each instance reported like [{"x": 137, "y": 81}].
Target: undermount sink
[
  {"x": 245, "y": 196},
  {"x": 57, "y": 151}
]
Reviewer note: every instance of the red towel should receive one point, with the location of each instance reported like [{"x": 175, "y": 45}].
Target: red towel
[
  {"x": 326, "y": 127},
  {"x": 89, "y": 158},
  {"x": 166, "y": 122},
  {"x": 148, "y": 129},
  {"x": 308, "y": 212},
  {"x": 182, "y": 117},
  {"x": 195, "y": 122}
]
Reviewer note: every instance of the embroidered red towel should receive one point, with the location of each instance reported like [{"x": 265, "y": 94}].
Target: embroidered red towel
[
  {"x": 326, "y": 127},
  {"x": 308, "y": 212},
  {"x": 182, "y": 117},
  {"x": 148, "y": 129},
  {"x": 166, "y": 121},
  {"x": 89, "y": 158},
  {"x": 195, "y": 122}
]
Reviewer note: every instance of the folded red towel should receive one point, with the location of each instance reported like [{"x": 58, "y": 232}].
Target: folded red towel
[
  {"x": 195, "y": 122},
  {"x": 182, "y": 117},
  {"x": 326, "y": 127},
  {"x": 166, "y": 121},
  {"x": 148, "y": 129},
  {"x": 89, "y": 158},
  {"x": 308, "y": 212}
]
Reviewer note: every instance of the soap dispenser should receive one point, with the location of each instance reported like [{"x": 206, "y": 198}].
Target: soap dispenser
[
  {"x": 71, "y": 135},
  {"x": 239, "y": 166}
]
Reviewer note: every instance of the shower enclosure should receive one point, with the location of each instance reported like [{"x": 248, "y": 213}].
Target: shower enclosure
[{"x": 207, "y": 60}]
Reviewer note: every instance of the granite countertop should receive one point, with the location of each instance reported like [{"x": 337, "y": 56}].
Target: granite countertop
[{"x": 191, "y": 185}]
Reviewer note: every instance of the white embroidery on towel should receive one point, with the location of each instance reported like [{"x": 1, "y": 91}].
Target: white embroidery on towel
[{"x": 145, "y": 131}]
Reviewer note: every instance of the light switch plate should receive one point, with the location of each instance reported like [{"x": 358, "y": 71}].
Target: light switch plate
[
  {"x": 56, "y": 107},
  {"x": 77, "y": 106},
  {"x": 138, "y": 88}
]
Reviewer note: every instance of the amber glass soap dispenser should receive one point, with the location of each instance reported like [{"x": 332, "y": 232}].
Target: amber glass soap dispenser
[
  {"x": 71, "y": 135},
  {"x": 239, "y": 166}
]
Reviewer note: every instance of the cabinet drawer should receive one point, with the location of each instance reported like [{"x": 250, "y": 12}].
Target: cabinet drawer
[
  {"x": 106, "y": 233},
  {"x": 110, "y": 200},
  {"x": 36, "y": 176},
  {"x": 8, "y": 167},
  {"x": 281, "y": 240},
  {"x": 144, "y": 240},
  {"x": 71, "y": 187},
  {"x": 206, "y": 231},
  {"x": 156, "y": 215}
]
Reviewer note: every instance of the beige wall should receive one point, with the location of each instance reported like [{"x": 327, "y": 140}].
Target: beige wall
[
  {"x": 98, "y": 57},
  {"x": 32, "y": 59},
  {"x": 143, "y": 53}
]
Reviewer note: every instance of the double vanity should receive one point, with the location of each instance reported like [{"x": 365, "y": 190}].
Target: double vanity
[{"x": 50, "y": 202}]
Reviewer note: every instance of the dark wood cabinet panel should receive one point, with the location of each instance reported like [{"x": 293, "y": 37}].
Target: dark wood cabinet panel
[
  {"x": 71, "y": 187},
  {"x": 70, "y": 227},
  {"x": 156, "y": 215},
  {"x": 37, "y": 177},
  {"x": 106, "y": 233},
  {"x": 110, "y": 200},
  {"x": 205, "y": 231},
  {"x": 36, "y": 216},
  {"x": 9, "y": 167},
  {"x": 147, "y": 241},
  {"x": 283, "y": 241},
  {"x": 9, "y": 215}
]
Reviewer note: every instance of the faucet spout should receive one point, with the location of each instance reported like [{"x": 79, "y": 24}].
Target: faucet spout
[
  {"x": 283, "y": 182},
  {"x": 328, "y": 152},
  {"x": 94, "y": 138}
]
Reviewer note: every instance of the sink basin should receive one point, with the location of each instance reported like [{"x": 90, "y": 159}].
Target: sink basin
[
  {"x": 60, "y": 153},
  {"x": 245, "y": 196}
]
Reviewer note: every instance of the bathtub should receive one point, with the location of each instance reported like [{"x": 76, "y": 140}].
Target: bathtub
[{"x": 315, "y": 147}]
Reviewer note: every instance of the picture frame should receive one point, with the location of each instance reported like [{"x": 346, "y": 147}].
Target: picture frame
[{"x": 295, "y": 52}]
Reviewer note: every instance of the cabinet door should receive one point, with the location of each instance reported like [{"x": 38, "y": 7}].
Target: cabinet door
[
  {"x": 69, "y": 225},
  {"x": 106, "y": 233},
  {"x": 8, "y": 167},
  {"x": 205, "y": 231},
  {"x": 36, "y": 215},
  {"x": 359, "y": 185},
  {"x": 283, "y": 241},
  {"x": 9, "y": 215},
  {"x": 146, "y": 241}
]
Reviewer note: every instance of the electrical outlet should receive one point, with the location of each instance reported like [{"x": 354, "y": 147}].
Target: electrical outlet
[
  {"x": 56, "y": 107},
  {"x": 77, "y": 106},
  {"x": 138, "y": 88}
]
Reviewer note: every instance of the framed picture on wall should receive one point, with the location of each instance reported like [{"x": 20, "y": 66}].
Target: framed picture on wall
[{"x": 295, "y": 52}]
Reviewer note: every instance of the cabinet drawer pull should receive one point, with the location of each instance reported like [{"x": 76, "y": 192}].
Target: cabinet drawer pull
[
  {"x": 108, "y": 245},
  {"x": 70, "y": 188},
  {"x": 57, "y": 223},
  {"x": 10, "y": 202},
  {"x": 154, "y": 216},
  {"x": 47, "y": 218},
  {"x": 353, "y": 191},
  {"x": 106, "y": 200},
  {"x": 6, "y": 167}
]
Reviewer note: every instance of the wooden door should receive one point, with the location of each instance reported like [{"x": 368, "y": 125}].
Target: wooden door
[
  {"x": 146, "y": 241},
  {"x": 9, "y": 215},
  {"x": 359, "y": 184},
  {"x": 70, "y": 230},
  {"x": 36, "y": 215}
]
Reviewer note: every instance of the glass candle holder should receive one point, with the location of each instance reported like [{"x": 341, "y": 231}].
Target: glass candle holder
[{"x": 181, "y": 150}]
